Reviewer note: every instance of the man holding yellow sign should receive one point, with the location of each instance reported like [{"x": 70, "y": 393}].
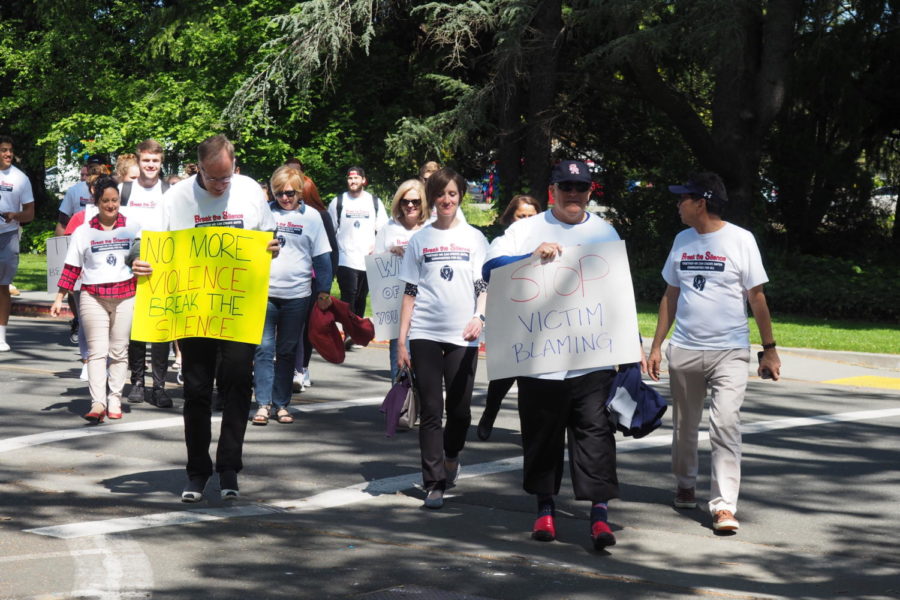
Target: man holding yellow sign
[{"x": 199, "y": 287}]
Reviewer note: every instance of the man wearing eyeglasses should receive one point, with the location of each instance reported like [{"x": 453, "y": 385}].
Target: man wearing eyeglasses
[
  {"x": 713, "y": 271},
  {"x": 216, "y": 196},
  {"x": 552, "y": 403},
  {"x": 357, "y": 216}
]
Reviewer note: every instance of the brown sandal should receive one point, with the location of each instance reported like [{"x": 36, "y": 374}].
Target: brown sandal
[
  {"x": 284, "y": 417},
  {"x": 261, "y": 417}
]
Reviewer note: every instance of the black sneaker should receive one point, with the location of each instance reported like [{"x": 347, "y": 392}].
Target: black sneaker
[
  {"x": 193, "y": 491},
  {"x": 229, "y": 485},
  {"x": 136, "y": 395},
  {"x": 159, "y": 398}
]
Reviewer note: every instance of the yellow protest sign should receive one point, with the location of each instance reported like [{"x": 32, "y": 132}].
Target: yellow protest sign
[{"x": 208, "y": 282}]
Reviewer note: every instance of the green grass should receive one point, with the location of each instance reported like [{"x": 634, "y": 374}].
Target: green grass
[
  {"x": 32, "y": 273},
  {"x": 790, "y": 331},
  {"x": 804, "y": 332}
]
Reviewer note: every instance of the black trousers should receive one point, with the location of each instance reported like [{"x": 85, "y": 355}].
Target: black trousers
[
  {"x": 159, "y": 362},
  {"x": 436, "y": 363},
  {"x": 354, "y": 288},
  {"x": 550, "y": 409},
  {"x": 198, "y": 359}
]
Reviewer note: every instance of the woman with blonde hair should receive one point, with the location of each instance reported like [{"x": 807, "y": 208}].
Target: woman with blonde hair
[
  {"x": 304, "y": 247},
  {"x": 409, "y": 212},
  {"x": 127, "y": 168}
]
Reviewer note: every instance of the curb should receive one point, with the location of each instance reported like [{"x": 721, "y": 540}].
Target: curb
[{"x": 22, "y": 307}]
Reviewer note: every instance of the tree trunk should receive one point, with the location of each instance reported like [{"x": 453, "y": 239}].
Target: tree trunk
[{"x": 542, "y": 69}]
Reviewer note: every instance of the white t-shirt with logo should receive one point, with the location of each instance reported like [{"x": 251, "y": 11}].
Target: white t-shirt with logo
[
  {"x": 356, "y": 229},
  {"x": 101, "y": 254},
  {"x": 713, "y": 272},
  {"x": 302, "y": 236},
  {"x": 392, "y": 234},
  {"x": 525, "y": 235},
  {"x": 77, "y": 197},
  {"x": 187, "y": 205},
  {"x": 15, "y": 193},
  {"x": 444, "y": 264},
  {"x": 145, "y": 205}
]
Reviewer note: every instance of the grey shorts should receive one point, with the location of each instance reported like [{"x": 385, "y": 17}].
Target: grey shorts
[{"x": 9, "y": 256}]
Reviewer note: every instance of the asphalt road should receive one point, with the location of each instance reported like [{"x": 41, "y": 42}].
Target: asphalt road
[{"x": 328, "y": 507}]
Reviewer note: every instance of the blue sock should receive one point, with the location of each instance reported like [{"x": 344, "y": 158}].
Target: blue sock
[
  {"x": 546, "y": 506},
  {"x": 599, "y": 512}
]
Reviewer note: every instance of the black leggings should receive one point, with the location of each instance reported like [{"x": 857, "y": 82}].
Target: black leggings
[{"x": 432, "y": 363}]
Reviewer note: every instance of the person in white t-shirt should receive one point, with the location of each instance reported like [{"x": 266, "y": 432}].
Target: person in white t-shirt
[
  {"x": 98, "y": 253},
  {"x": 216, "y": 196},
  {"x": 142, "y": 202},
  {"x": 713, "y": 270},
  {"x": 555, "y": 405},
  {"x": 410, "y": 212},
  {"x": 16, "y": 207},
  {"x": 304, "y": 248},
  {"x": 357, "y": 217},
  {"x": 442, "y": 314}
]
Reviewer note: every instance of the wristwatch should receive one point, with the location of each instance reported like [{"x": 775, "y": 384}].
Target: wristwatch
[{"x": 478, "y": 316}]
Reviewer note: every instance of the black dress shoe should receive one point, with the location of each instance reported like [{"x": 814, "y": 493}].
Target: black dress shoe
[{"x": 193, "y": 491}]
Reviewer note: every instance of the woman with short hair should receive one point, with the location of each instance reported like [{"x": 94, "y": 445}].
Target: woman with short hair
[{"x": 304, "y": 247}]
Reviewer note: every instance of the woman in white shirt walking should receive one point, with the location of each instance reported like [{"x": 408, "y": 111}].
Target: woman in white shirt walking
[
  {"x": 409, "y": 212},
  {"x": 442, "y": 315}
]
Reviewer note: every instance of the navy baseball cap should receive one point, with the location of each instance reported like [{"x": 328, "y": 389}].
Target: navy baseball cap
[
  {"x": 570, "y": 170},
  {"x": 694, "y": 189}
]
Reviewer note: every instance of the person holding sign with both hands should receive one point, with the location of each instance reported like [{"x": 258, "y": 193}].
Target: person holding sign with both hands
[
  {"x": 442, "y": 314},
  {"x": 553, "y": 404},
  {"x": 216, "y": 196}
]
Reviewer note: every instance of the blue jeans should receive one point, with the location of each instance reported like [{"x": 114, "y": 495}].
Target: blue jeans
[{"x": 273, "y": 369}]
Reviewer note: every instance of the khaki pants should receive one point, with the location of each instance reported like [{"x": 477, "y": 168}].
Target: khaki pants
[
  {"x": 107, "y": 328},
  {"x": 725, "y": 373}
]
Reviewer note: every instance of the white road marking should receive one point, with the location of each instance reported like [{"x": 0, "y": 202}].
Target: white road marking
[
  {"x": 121, "y": 570},
  {"x": 362, "y": 492},
  {"x": 60, "y": 435}
]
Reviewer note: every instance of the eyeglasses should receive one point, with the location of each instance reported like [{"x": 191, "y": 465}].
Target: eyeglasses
[
  {"x": 579, "y": 186},
  {"x": 286, "y": 194},
  {"x": 414, "y": 202},
  {"x": 208, "y": 179}
]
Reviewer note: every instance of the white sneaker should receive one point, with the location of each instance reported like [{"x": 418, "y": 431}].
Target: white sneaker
[
  {"x": 4, "y": 347},
  {"x": 306, "y": 381},
  {"x": 298, "y": 382},
  {"x": 84, "y": 375}
]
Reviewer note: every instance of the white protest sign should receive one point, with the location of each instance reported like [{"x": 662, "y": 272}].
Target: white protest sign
[
  {"x": 386, "y": 293},
  {"x": 56, "y": 259},
  {"x": 576, "y": 312}
]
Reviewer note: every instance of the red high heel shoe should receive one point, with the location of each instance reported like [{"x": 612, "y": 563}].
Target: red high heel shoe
[{"x": 96, "y": 414}]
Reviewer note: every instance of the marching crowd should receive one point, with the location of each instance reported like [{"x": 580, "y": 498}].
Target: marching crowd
[{"x": 712, "y": 272}]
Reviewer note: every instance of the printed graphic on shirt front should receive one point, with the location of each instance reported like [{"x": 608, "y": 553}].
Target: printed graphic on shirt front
[
  {"x": 226, "y": 219},
  {"x": 356, "y": 214},
  {"x": 6, "y": 186},
  {"x": 110, "y": 245},
  {"x": 702, "y": 262}
]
